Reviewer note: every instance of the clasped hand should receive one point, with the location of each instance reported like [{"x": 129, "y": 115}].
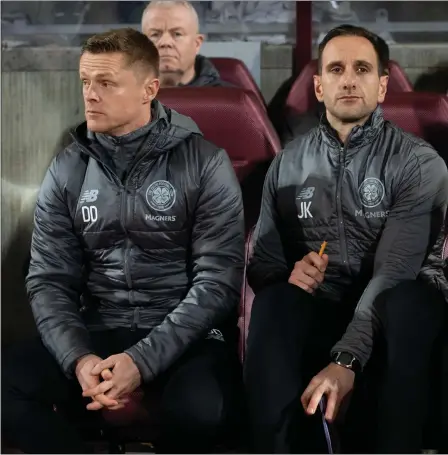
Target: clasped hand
[{"x": 120, "y": 378}]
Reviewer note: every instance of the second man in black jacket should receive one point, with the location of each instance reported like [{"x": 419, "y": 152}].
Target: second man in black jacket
[{"x": 370, "y": 307}]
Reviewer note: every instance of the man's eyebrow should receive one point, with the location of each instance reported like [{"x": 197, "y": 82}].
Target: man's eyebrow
[
  {"x": 158, "y": 30},
  {"x": 103, "y": 75},
  {"x": 340, "y": 63},
  {"x": 333, "y": 63},
  {"x": 363, "y": 63}
]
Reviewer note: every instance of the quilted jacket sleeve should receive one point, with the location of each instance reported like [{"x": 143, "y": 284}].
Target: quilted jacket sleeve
[
  {"x": 217, "y": 252},
  {"x": 413, "y": 225},
  {"x": 54, "y": 281}
]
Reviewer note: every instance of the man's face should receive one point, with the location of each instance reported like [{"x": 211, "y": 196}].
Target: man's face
[
  {"x": 349, "y": 84},
  {"x": 174, "y": 31},
  {"x": 117, "y": 96}
]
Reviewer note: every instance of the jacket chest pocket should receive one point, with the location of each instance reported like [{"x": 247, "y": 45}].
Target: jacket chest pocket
[
  {"x": 97, "y": 210},
  {"x": 162, "y": 206},
  {"x": 314, "y": 205}
]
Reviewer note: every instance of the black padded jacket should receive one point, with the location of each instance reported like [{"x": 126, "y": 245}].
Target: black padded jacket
[
  {"x": 141, "y": 231},
  {"x": 379, "y": 201}
]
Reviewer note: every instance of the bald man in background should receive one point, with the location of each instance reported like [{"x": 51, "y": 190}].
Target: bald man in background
[{"x": 173, "y": 26}]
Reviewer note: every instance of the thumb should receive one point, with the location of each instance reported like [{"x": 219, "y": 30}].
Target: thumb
[
  {"x": 325, "y": 258},
  {"x": 108, "y": 363},
  {"x": 106, "y": 374}
]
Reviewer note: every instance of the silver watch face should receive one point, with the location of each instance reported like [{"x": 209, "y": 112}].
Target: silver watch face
[{"x": 345, "y": 359}]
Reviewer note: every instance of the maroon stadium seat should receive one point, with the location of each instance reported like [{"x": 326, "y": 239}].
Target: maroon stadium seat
[
  {"x": 233, "y": 119},
  {"x": 422, "y": 114},
  {"x": 236, "y": 72}
]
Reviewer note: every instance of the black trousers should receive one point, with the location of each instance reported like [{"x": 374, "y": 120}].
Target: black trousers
[
  {"x": 290, "y": 337},
  {"x": 199, "y": 396}
]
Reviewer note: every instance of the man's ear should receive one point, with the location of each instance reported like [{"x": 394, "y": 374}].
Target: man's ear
[
  {"x": 152, "y": 86},
  {"x": 198, "y": 42},
  {"x": 318, "y": 88},
  {"x": 382, "y": 89}
]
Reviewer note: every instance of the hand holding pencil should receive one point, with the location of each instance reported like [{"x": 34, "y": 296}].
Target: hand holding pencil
[{"x": 309, "y": 273}]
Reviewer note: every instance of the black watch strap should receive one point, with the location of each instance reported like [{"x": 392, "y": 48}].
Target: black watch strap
[{"x": 347, "y": 360}]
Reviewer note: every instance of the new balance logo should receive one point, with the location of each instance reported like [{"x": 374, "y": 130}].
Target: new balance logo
[
  {"x": 89, "y": 196},
  {"x": 215, "y": 334},
  {"x": 306, "y": 193}
]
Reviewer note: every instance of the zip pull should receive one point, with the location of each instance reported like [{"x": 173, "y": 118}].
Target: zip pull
[
  {"x": 341, "y": 155},
  {"x": 135, "y": 319}
]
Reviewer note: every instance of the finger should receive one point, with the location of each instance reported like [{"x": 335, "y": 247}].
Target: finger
[
  {"x": 104, "y": 387},
  {"x": 325, "y": 258},
  {"x": 332, "y": 405},
  {"x": 315, "y": 398},
  {"x": 94, "y": 406},
  {"x": 317, "y": 261},
  {"x": 116, "y": 408},
  {"x": 307, "y": 280},
  {"x": 106, "y": 375},
  {"x": 105, "y": 364},
  {"x": 309, "y": 270},
  {"x": 313, "y": 272},
  {"x": 301, "y": 285},
  {"x": 86, "y": 385},
  {"x": 306, "y": 395},
  {"x": 106, "y": 401},
  {"x": 101, "y": 401},
  {"x": 122, "y": 402}
]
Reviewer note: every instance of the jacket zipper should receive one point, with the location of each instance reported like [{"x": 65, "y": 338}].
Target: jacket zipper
[
  {"x": 126, "y": 252},
  {"x": 136, "y": 315},
  {"x": 341, "y": 226},
  {"x": 127, "y": 244}
]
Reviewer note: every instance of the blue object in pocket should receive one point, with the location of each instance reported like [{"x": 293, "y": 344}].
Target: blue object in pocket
[{"x": 323, "y": 406}]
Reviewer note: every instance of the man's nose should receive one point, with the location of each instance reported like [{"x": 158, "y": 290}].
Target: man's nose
[
  {"x": 90, "y": 93},
  {"x": 166, "y": 40},
  {"x": 349, "y": 78}
]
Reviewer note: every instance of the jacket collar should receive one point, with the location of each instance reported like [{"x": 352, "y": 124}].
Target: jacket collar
[
  {"x": 360, "y": 135},
  {"x": 205, "y": 73}
]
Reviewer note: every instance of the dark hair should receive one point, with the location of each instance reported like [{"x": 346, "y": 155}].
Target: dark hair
[
  {"x": 137, "y": 47},
  {"x": 380, "y": 46}
]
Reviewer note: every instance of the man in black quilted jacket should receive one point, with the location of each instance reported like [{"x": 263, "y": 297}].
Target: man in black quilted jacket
[
  {"x": 136, "y": 267},
  {"x": 173, "y": 26},
  {"x": 366, "y": 311}
]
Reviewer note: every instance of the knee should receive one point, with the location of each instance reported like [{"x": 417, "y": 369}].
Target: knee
[
  {"x": 411, "y": 313},
  {"x": 274, "y": 305},
  {"x": 197, "y": 412},
  {"x": 9, "y": 372},
  {"x": 410, "y": 304},
  {"x": 19, "y": 381},
  {"x": 11, "y": 392}
]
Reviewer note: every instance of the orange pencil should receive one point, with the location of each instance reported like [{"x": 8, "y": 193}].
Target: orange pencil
[{"x": 322, "y": 248}]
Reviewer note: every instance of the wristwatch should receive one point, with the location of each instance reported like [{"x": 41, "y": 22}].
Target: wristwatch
[{"x": 347, "y": 360}]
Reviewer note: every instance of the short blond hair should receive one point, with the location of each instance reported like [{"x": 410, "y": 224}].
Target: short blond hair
[
  {"x": 170, "y": 3},
  {"x": 136, "y": 46}
]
